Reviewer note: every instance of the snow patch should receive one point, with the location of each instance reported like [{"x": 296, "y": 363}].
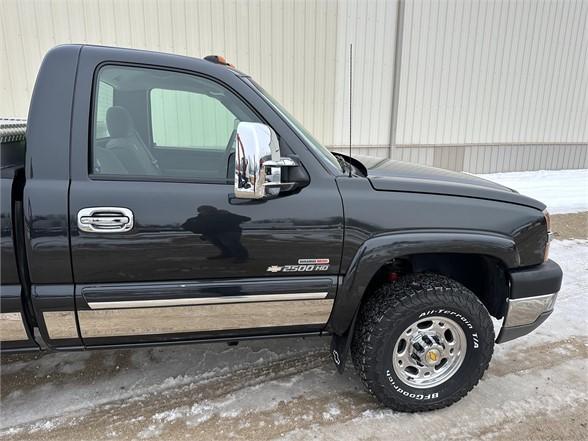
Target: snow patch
[
  {"x": 563, "y": 191},
  {"x": 332, "y": 411}
]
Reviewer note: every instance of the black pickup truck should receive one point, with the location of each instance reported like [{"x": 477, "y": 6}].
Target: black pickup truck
[{"x": 161, "y": 199}]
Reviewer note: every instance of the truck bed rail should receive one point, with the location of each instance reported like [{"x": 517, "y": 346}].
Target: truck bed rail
[{"x": 12, "y": 129}]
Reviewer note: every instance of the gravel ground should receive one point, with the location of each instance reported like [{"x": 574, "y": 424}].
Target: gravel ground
[{"x": 536, "y": 388}]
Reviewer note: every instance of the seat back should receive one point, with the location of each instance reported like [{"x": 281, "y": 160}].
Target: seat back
[
  {"x": 106, "y": 163},
  {"x": 127, "y": 145}
]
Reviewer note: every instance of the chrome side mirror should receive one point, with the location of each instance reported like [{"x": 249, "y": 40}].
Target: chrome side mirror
[{"x": 258, "y": 162}]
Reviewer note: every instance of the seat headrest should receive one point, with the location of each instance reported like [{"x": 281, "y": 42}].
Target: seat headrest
[{"x": 119, "y": 122}]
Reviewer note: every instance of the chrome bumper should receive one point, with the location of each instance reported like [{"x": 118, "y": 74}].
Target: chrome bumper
[
  {"x": 532, "y": 299},
  {"x": 521, "y": 312},
  {"x": 525, "y": 315}
]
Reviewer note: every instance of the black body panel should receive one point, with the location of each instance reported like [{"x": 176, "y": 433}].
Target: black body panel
[
  {"x": 8, "y": 268},
  {"x": 382, "y": 226},
  {"x": 12, "y": 307},
  {"x": 205, "y": 337},
  {"x": 204, "y": 288},
  {"x": 47, "y": 168},
  {"x": 535, "y": 281},
  {"x": 390, "y": 175},
  {"x": 370, "y": 213},
  {"x": 172, "y": 240}
]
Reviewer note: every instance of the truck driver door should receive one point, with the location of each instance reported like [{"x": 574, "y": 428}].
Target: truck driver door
[{"x": 161, "y": 250}]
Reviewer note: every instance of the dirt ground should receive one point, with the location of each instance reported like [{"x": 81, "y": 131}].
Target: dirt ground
[
  {"x": 535, "y": 389},
  {"x": 570, "y": 225},
  {"x": 175, "y": 416}
]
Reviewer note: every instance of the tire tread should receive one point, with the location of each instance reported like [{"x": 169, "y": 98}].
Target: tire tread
[{"x": 389, "y": 303}]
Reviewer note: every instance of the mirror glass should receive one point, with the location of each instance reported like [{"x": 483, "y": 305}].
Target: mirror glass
[{"x": 255, "y": 144}]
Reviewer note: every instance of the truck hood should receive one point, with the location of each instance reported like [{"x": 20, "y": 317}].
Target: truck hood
[{"x": 391, "y": 175}]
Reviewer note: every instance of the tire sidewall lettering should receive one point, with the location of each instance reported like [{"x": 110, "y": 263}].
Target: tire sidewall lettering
[
  {"x": 458, "y": 317},
  {"x": 448, "y": 387},
  {"x": 413, "y": 395}
]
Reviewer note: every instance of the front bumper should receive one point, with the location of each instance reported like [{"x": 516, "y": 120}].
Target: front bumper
[{"x": 533, "y": 292}]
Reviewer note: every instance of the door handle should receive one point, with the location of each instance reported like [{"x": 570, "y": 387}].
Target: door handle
[{"x": 105, "y": 220}]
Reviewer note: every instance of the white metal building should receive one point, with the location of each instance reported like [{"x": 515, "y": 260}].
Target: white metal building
[{"x": 473, "y": 85}]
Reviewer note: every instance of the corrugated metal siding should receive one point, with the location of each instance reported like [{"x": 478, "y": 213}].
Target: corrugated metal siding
[
  {"x": 498, "y": 74},
  {"x": 289, "y": 47},
  {"x": 495, "y": 158},
  {"x": 297, "y": 49},
  {"x": 494, "y": 71},
  {"x": 484, "y": 158},
  {"x": 371, "y": 27}
]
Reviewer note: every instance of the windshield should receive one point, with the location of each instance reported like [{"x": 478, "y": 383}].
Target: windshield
[{"x": 311, "y": 141}]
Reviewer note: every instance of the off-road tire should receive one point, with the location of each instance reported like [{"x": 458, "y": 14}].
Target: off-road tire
[{"x": 393, "y": 307}]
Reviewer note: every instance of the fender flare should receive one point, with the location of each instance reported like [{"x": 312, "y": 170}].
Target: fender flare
[{"x": 377, "y": 251}]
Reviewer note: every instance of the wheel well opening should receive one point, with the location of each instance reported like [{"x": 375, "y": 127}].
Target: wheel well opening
[{"x": 484, "y": 275}]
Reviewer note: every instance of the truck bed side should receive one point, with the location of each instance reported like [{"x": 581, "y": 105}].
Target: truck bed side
[{"x": 13, "y": 328}]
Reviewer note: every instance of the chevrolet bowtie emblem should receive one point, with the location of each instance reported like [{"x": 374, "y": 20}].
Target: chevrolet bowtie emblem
[{"x": 274, "y": 269}]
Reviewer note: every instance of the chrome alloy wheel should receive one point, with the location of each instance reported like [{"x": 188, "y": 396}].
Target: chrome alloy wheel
[{"x": 429, "y": 352}]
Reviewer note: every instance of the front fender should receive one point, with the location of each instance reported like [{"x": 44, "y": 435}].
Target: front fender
[{"x": 379, "y": 250}]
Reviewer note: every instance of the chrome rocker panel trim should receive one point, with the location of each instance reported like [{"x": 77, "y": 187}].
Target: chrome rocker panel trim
[
  {"x": 12, "y": 327},
  {"x": 60, "y": 324},
  {"x": 207, "y": 300},
  {"x": 202, "y": 318}
]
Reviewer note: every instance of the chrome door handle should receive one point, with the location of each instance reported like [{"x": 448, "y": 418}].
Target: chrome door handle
[{"x": 105, "y": 220}]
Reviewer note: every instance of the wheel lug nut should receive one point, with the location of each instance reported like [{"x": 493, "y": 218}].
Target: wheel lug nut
[{"x": 418, "y": 347}]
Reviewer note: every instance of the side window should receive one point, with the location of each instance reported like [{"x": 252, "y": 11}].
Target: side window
[
  {"x": 182, "y": 119},
  {"x": 104, "y": 100},
  {"x": 164, "y": 124}
]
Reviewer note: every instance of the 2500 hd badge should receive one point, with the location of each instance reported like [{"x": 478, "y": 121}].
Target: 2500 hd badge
[{"x": 303, "y": 265}]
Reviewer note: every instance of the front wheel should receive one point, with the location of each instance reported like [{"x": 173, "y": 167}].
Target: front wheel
[{"x": 422, "y": 343}]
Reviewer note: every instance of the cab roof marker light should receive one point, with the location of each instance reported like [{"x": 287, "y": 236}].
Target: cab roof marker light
[{"x": 218, "y": 59}]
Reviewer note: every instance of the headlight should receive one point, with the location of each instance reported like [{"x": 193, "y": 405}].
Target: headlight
[{"x": 549, "y": 235}]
